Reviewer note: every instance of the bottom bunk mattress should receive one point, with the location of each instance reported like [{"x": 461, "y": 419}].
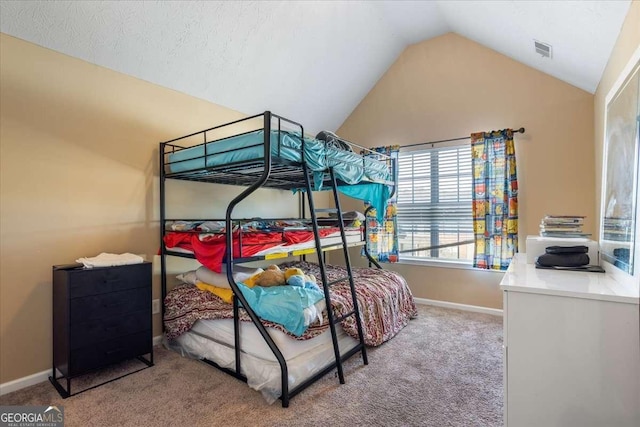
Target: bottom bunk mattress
[{"x": 213, "y": 340}]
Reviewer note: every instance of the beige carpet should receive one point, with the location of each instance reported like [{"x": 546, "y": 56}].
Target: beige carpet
[{"x": 443, "y": 369}]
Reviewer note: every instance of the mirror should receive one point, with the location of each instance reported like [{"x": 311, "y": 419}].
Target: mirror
[{"x": 620, "y": 174}]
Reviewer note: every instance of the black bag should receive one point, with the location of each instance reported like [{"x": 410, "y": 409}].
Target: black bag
[
  {"x": 563, "y": 260},
  {"x": 566, "y": 250}
]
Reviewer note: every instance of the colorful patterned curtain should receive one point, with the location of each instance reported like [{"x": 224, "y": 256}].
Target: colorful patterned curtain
[
  {"x": 382, "y": 236},
  {"x": 495, "y": 199}
]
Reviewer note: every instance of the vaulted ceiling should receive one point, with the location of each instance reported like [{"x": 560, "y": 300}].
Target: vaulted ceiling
[{"x": 312, "y": 61}]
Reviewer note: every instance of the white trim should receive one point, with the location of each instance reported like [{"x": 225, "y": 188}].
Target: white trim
[
  {"x": 23, "y": 382},
  {"x": 455, "y": 305},
  {"x": 425, "y": 262},
  {"x": 430, "y": 262},
  {"x": 617, "y": 273},
  {"x": 43, "y": 376}
]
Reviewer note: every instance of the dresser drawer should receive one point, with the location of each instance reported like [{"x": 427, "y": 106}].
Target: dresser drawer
[
  {"x": 109, "y": 305},
  {"x": 93, "y": 331},
  {"x": 95, "y": 281},
  {"x": 104, "y": 353}
]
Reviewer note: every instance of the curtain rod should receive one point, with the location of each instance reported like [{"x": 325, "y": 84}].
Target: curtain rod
[{"x": 520, "y": 130}]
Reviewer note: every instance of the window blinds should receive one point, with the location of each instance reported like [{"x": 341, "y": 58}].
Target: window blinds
[{"x": 434, "y": 191}]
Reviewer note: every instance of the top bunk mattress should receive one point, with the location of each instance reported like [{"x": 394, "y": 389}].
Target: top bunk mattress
[{"x": 349, "y": 167}]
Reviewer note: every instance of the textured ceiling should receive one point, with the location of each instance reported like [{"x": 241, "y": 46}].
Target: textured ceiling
[{"x": 310, "y": 61}]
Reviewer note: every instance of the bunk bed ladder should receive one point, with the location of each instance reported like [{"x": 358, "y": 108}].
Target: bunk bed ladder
[{"x": 325, "y": 282}]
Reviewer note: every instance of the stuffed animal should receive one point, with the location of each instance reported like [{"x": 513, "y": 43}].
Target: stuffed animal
[
  {"x": 296, "y": 277},
  {"x": 272, "y": 276}
]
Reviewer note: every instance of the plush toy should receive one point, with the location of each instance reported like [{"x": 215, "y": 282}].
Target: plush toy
[
  {"x": 296, "y": 277},
  {"x": 292, "y": 272},
  {"x": 272, "y": 276}
]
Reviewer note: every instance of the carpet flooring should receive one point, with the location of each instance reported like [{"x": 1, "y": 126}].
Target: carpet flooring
[{"x": 443, "y": 369}]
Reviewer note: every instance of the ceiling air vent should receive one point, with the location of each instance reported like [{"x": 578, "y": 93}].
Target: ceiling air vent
[{"x": 543, "y": 49}]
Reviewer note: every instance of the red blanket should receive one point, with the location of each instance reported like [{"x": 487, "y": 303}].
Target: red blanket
[{"x": 209, "y": 249}]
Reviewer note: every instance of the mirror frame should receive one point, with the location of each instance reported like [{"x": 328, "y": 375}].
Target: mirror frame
[{"x": 626, "y": 73}]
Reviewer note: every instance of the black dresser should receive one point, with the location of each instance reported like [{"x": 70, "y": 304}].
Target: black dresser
[{"x": 101, "y": 316}]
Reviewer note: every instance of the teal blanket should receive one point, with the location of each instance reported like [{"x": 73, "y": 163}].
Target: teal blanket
[
  {"x": 282, "y": 304},
  {"x": 349, "y": 167}
]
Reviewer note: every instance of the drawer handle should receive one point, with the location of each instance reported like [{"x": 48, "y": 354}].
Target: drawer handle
[
  {"x": 111, "y": 280},
  {"x": 110, "y": 352}
]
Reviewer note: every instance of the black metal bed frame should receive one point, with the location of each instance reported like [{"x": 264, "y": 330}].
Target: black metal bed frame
[{"x": 265, "y": 172}]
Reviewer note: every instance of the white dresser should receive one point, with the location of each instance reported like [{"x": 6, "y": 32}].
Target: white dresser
[{"x": 571, "y": 348}]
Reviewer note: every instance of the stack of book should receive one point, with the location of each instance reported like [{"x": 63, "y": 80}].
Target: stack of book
[
  {"x": 618, "y": 229},
  {"x": 562, "y": 226}
]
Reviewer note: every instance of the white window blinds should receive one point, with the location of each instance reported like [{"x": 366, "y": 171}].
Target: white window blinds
[{"x": 434, "y": 203}]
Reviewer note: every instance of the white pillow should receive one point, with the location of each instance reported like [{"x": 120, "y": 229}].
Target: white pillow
[
  {"x": 188, "y": 277},
  {"x": 240, "y": 274}
]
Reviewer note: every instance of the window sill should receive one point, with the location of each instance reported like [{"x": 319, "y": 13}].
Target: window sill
[{"x": 444, "y": 264}]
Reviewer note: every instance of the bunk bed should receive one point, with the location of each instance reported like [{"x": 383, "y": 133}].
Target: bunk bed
[{"x": 232, "y": 337}]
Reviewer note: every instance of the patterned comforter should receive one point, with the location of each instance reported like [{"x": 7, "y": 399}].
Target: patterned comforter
[{"x": 384, "y": 299}]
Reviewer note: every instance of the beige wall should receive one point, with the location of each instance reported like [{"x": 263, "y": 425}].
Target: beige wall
[
  {"x": 448, "y": 87},
  {"x": 627, "y": 43},
  {"x": 79, "y": 150}
]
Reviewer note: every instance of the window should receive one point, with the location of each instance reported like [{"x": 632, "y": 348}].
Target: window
[{"x": 434, "y": 204}]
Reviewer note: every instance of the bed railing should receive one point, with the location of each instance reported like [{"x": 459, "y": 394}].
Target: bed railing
[{"x": 201, "y": 163}]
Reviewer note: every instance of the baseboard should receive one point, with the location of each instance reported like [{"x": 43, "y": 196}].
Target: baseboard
[
  {"x": 447, "y": 304},
  {"x": 40, "y": 377},
  {"x": 23, "y": 382}
]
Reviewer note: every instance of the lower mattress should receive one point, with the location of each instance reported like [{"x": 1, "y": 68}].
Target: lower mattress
[
  {"x": 221, "y": 331},
  {"x": 352, "y": 236},
  {"x": 304, "y": 359}
]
